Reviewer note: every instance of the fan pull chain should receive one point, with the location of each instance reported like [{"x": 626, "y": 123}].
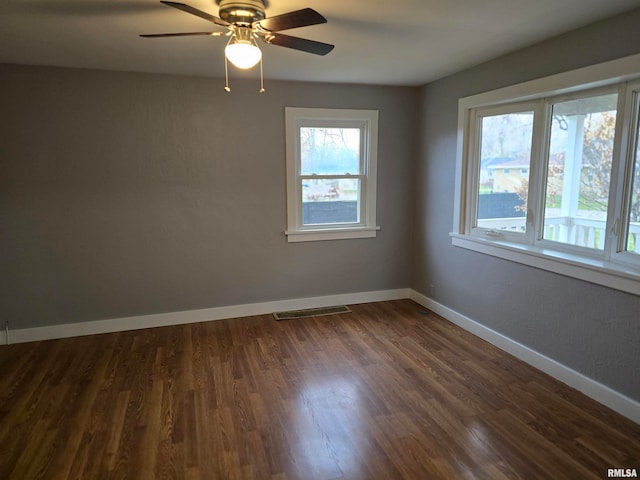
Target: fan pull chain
[
  {"x": 255, "y": 43},
  {"x": 226, "y": 76},
  {"x": 226, "y": 70},
  {"x": 261, "y": 78}
]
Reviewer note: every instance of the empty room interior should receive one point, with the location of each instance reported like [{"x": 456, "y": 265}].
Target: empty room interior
[{"x": 402, "y": 241}]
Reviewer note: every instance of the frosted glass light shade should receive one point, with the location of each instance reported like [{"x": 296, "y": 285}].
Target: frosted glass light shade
[{"x": 243, "y": 54}]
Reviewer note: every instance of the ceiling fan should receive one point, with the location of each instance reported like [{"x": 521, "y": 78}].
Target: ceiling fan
[{"x": 245, "y": 21}]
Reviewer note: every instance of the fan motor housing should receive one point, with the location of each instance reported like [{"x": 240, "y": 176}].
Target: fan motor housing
[{"x": 241, "y": 11}]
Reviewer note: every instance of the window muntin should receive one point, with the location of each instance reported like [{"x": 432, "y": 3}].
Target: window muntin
[
  {"x": 331, "y": 173},
  {"x": 578, "y": 170}
]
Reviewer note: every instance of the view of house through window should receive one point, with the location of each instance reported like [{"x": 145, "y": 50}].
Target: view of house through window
[
  {"x": 579, "y": 170},
  {"x": 549, "y": 174},
  {"x": 505, "y": 160},
  {"x": 330, "y": 175}
]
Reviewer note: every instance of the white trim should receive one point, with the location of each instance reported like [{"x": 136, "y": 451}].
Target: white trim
[
  {"x": 594, "y": 270},
  {"x": 592, "y": 76},
  {"x": 625, "y": 177},
  {"x": 367, "y": 122},
  {"x": 597, "y": 391},
  {"x": 331, "y": 234},
  {"x": 194, "y": 316},
  {"x": 611, "y": 269},
  {"x": 601, "y": 393}
]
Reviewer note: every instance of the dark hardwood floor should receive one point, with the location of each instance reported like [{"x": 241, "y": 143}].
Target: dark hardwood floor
[{"x": 386, "y": 392}]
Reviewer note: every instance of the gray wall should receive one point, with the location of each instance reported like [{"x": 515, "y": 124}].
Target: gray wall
[
  {"x": 126, "y": 194},
  {"x": 590, "y": 328}
]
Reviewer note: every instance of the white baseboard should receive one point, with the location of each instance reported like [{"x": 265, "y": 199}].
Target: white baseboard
[
  {"x": 601, "y": 393},
  {"x": 193, "y": 316}
]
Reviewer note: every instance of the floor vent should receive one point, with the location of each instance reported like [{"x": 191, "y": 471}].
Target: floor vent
[{"x": 310, "y": 312}]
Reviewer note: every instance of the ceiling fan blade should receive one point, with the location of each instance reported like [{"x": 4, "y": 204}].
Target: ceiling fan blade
[
  {"x": 196, "y": 12},
  {"x": 187, "y": 34},
  {"x": 286, "y": 21},
  {"x": 309, "y": 46}
]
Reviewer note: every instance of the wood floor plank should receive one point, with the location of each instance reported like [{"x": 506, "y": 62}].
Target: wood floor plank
[{"x": 389, "y": 391}]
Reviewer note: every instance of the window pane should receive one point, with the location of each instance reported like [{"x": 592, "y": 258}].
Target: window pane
[
  {"x": 330, "y": 201},
  {"x": 505, "y": 158},
  {"x": 579, "y": 170},
  {"x": 633, "y": 235},
  {"x": 329, "y": 151}
]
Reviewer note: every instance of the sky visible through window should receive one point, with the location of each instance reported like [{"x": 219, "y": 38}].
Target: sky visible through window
[{"x": 330, "y": 151}]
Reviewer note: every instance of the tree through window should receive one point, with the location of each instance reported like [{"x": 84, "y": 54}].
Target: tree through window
[
  {"x": 578, "y": 176},
  {"x": 331, "y": 173}
]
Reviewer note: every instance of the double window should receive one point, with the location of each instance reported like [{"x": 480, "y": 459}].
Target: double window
[
  {"x": 331, "y": 173},
  {"x": 552, "y": 178}
]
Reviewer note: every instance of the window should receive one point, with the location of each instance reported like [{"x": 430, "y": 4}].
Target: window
[
  {"x": 331, "y": 173},
  {"x": 549, "y": 174},
  {"x": 578, "y": 173},
  {"x": 505, "y": 136},
  {"x": 632, "y": 234}
]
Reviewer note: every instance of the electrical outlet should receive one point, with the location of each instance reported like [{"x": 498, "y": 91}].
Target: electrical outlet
[{"x": 432, "y": 290}]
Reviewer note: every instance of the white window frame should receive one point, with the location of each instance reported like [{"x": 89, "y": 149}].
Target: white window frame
[
  {"x": 613, "y": 267},
  {"x": 476, "y": 116},
  {"x": 629, "y": 140},
  {"x": 367, "y": 122}
]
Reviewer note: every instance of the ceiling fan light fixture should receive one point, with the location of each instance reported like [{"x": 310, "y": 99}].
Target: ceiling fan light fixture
[
  {"x": 246, "y": 22},
  {"x": 243, "y": 54}
]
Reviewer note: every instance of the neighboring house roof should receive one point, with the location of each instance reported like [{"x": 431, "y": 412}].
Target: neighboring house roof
[
  {"x": 522, "y": 162},
  {"x": 511, "y": 163},
  {"x": 489, "y": 162}
]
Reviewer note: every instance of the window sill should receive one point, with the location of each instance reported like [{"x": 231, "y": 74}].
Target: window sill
[
  {"x": 330, "y": 234},
  {"x": 588, "y": 269}
]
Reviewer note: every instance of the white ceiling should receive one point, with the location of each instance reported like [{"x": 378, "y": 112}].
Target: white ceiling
[{"x": 400, "y": 42}]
